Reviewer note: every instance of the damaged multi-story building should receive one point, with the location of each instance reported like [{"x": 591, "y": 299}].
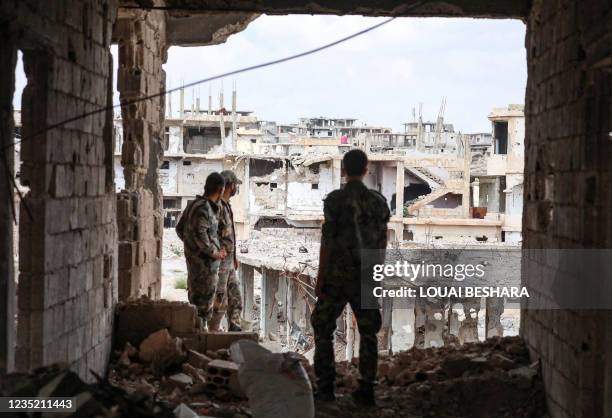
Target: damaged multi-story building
[{"x": 84, "y": 247}]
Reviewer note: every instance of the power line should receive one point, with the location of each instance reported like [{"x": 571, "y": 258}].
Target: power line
[{"x": 204, "y": 80}]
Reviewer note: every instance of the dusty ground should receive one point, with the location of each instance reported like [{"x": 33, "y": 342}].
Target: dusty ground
[{"x": 173, "y": 267}]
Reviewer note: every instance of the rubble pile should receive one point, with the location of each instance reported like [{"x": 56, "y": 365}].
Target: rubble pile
[
  {"x": 95, "y": 400},
  {"x": 493, "y": 378},
  {"x": 172, "y": 370}
]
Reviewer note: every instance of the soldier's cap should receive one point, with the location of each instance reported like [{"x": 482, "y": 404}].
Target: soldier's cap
[{"x": 230, "y": 177}]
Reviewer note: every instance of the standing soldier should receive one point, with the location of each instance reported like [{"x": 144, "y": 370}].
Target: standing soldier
[
  {"x": 199, "y": 230},
  {"x": 228, "y": 298},
  {"x": 355, "y": 220}
]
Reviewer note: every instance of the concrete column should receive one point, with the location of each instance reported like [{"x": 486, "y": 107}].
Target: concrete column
[
  {"x": 386, "y": 331},
  {"x": 402, "y": 325},
  {"x": 419, "y": 323},
  {"x": 290, "y": 310},
  {"x": 8, "y": 58},
  {"x": 246, "y": 274},
  {"x": 493, "y": 325},
  {"x": 466, "y": 178},
  {"x": 336, "y": 173},
  {"x": 435, "y": 324},
  {"x": 468, "y": 330},
  {"x": 476, "y": 192},
  {"x": 352, "y": 335},
  {"x": 281, "y": 299},
  {"x": 399, "y": 191},
  {"x": 269, "y": 307}
]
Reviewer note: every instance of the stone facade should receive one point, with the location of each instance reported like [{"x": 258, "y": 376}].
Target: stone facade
[{"x": 567, "y": 191}]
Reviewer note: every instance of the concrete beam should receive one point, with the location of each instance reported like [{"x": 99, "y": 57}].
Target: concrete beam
[
  {"x": 457, "y": 8},
  {"x": 246, "y": 274},
  {"x": 205, "y": 29},
  {"x": 189, "y": 29}
]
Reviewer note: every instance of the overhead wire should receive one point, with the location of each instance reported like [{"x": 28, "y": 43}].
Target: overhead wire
[
  {"x": 162, "y": 93},
  {"x": 202, "y": 81}
]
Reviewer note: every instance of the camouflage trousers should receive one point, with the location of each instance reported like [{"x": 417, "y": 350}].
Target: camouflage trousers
[
  {"x": 228, "y": 298},
  {"x": 202, "y": 281},
  {"x": 323, "y": 320}
]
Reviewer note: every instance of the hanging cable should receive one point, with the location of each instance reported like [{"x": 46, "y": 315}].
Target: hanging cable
[{"x": 204, "y": 80}]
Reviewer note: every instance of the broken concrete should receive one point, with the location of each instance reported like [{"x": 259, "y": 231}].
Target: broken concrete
[
  {"x": 137, "y": 319},
  {"x": 161, "y": 350}
]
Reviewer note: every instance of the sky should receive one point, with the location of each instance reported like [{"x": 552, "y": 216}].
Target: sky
[{"x": 377, "y": 78}]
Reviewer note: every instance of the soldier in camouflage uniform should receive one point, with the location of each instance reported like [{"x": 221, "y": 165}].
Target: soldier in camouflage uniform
[
  {"x": 228, "y": 299},
  {"x": 199, "y": 230},
  {"x": 355, "y": 220}
]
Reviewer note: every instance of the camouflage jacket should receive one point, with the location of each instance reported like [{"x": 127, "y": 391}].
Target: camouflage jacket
[
  {"x": 201, "y": 230},
  {"x": 226, "y": 230},
  {"x": 355, "y": 220}
]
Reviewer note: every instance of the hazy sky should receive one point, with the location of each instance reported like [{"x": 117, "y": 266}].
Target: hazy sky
[{"x": 377, "y": 78}]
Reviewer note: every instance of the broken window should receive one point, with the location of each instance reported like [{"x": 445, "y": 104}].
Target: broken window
[
  {"x": 201, "y": 140},
  {"x": 186, "y": 162},
  {"x": 166, "y": 139},
  {"x": 501, "y": 137},
  {"x": 259, "y": 168},
  {"x": 165, "y": 165}
]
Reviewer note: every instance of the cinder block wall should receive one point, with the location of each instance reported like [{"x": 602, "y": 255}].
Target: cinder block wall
[
  {"x": 567, "y": 190},
  {"x": 68, "y": 262},
  {"x": 142, "y": 51}
]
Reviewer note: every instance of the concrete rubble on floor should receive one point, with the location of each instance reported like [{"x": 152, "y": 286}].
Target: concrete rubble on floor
[{"x": 488, "y": 379}]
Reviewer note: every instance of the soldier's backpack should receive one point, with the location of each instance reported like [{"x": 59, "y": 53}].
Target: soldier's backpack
[{"x": 180, "y": 226}]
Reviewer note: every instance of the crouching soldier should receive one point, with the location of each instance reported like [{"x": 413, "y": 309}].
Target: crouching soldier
[
  {"x": 355, "y": 220},
  {"x": 228, "y": 299},
  {"x": 199, "y": 230}
]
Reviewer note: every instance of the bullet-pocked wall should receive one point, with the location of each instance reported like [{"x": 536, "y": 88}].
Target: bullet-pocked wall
[
  {"x": 567, "y": 192},
  {"x": 67, "y": 286}
]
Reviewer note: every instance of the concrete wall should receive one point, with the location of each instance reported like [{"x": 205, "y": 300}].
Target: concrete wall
[
  {"x": 68, "y": 258},
  {"x": 301, "y": 196},
  {"x": 193, "y": 177},
  {"x": 567, "y": 192}
]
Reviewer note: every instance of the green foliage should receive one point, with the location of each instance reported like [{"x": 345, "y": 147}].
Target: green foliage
[{"x": 181, "y": 283}]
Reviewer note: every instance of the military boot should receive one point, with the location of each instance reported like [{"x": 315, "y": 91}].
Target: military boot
[
  {"x": 364, "y": 395},
  {"x": 325, "y": 392}
]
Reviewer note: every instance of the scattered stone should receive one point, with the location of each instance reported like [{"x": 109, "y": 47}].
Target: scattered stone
[
  {"x": 180, "y": 380},
  {"x": 198, "y": 360},
  {"x": 194, "y": 373},
  {"x": 161, "y": 350}
]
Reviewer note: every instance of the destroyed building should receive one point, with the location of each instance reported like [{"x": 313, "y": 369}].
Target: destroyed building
[{"x": 85, "y": 247}]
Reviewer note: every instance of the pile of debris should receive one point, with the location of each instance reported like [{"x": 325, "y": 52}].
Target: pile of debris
[
  {"x": 96, "y": 400},
  {"x": 493, "y": 378},
  {"x": 182, "y": 370}
]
